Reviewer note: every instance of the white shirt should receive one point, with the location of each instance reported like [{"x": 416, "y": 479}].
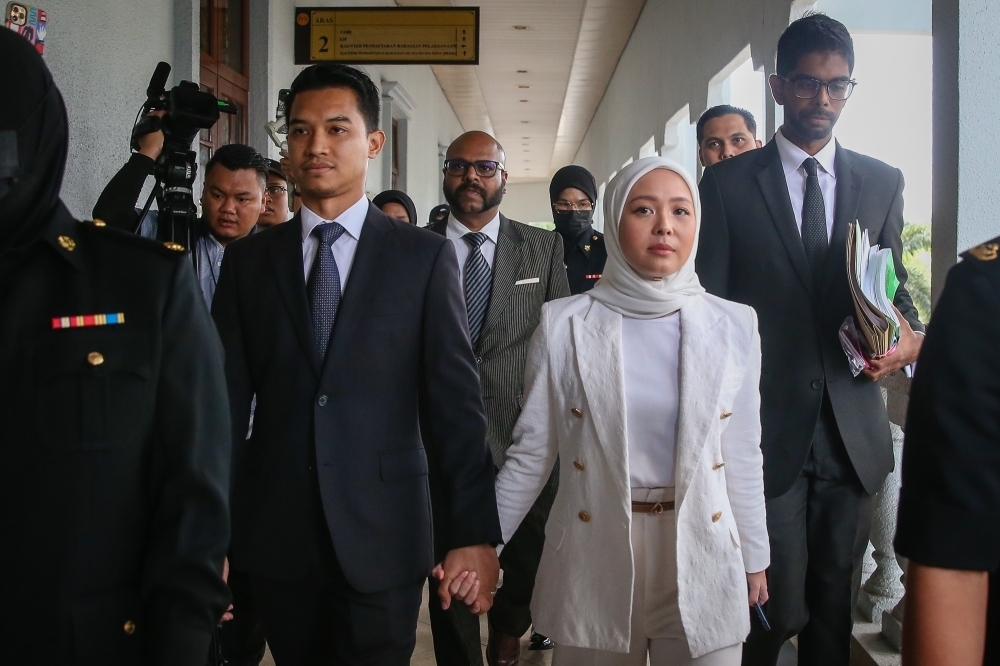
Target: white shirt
[
  {"x": 456, "y": 230},
  {"x": 650, "y": 355},
  {"x": 792, "y": 158},
  {"x": 344, "y": 248}
]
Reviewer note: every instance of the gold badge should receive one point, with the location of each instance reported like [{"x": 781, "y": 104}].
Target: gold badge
[
  {"x": 594, "y": 238},
  {"x": 176, "y": 247},
  {"x": 99, "y": 223},
  {"x": 986, "y": 251},
  {"x": 586, "y": 248},
  {"x": 67, "y": 243}
]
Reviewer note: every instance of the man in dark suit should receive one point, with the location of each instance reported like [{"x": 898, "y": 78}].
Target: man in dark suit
[
  {"x": 773, "y": 236},
  {"x": 114, "y": 468},
  {"x": 951, "y": 475},
  {"x": 508, "y": 271},
  {"x": 350, "y": 329}
]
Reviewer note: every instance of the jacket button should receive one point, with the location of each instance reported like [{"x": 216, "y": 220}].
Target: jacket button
[
  {"x": 129, "y": 627},
  {"x": 718, "y": 465},
  {"x": 817, "y": 384},
  {"x": 322, "y": 401},
  {"x": 725, "y": 415},
  {"x": 576, "y": 412},
  {"x": 95, "y": 358},
  {"x": 579, "y": 465},
  {"x": 716, "y": 516},
  {"x": 584, "y": 516},
  {"x": 479, "y": 360}
]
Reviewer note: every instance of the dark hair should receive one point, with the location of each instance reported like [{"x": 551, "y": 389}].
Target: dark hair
[
  {"x": 725, "y": 110},
  {"x": 320, "y": 77},
  {"x": 813, "y": 33},
  {"x": 274, "y": 168},
  {"x": 236, "y": 157}
]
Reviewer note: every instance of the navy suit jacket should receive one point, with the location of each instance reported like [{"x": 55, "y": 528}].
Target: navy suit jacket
[{"x": 339, "y": 451}]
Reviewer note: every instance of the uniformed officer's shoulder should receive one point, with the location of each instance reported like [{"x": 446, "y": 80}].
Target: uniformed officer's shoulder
[
  {"x": 985, "y": 253},
  {"x": 99, "y": 233},
  {"x": 982, "y": 260}
]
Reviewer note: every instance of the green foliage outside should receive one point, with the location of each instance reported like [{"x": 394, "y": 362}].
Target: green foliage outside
[{"x": 917, "y": 262}]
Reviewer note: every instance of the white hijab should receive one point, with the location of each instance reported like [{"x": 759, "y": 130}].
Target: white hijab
[{"x": 621, "y": 288}]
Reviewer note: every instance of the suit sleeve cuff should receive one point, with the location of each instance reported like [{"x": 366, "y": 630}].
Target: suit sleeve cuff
[{"x": 181, "y": 645}]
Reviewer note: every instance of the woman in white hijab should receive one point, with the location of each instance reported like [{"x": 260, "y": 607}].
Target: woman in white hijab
[{"x": 646, "y": 388}]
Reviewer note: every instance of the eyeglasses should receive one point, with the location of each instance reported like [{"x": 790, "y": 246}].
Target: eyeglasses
[
  {"x": 564, "y": 206},
  {"x": 485, "y": 168},
  {"x": 275, "y": 190},
  {"x": 808, "y": 87}
]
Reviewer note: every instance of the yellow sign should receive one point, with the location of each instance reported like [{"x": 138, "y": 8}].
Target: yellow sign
[{"x": 388, "y": 35}]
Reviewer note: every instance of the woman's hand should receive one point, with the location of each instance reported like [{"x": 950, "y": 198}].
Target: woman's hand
[{"x": 757, "y": 587}]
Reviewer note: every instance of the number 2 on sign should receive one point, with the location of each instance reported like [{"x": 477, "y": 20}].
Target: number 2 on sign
[{"x": 326, "y": 45}]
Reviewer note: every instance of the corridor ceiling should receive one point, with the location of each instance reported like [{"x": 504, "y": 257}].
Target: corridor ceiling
[{"x": 544, "y": 67}]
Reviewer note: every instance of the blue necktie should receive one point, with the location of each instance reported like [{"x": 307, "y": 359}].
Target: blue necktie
[
  {"x": 324, "y": 285},
  {"x": 477, "y": 285},
  {"x": 814, "y": 236}
]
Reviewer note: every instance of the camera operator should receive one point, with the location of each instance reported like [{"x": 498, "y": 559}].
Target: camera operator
[
  {"x": 114, "y": 469},
  {"x": 276, "y": 200},
  {"x": 232, "y": 201}
]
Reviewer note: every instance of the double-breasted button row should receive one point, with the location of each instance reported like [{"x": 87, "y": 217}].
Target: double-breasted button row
[
  {"x": 576, "y": 412},
  {"x": 584, "y": 516},
  {"x": 580, "y": 465},
  {"x": 716, "y": 516}
]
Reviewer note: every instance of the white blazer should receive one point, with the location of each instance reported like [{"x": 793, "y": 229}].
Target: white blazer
[{"x": 573, "y": 408}]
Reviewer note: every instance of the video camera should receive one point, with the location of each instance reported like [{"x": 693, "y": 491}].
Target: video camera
[{"x": 187, "y": 110}]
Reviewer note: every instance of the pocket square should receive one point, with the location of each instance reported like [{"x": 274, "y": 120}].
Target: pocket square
[{"x": 526, "y": 281}]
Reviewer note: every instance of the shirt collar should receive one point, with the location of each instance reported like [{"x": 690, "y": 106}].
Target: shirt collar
[
  {"x": 456, "y": 229},
  {"x": 351, "y": 219},
  {"x": 792, "y": 156}
]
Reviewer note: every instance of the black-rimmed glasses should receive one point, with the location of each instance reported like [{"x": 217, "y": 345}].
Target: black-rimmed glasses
[
  {"x": 807, "y": 87},
  {"x": 485, "y": 168}
]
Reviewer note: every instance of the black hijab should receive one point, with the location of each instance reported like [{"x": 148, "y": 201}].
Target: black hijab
[
  {"x": 397, "y": 196},
  {"x": 439, "y": 214},
  {"x": 35, "y": 112}
]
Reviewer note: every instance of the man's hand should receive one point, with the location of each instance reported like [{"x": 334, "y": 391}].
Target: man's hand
[
  {"x": 906, "y": 352},
  {"x": 469, "y": 575},
  {"x": 757, "y": 587},
  {"x": 151, "y": 145}
]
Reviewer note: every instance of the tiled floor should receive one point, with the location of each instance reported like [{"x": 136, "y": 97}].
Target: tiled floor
[{"x": 423, "y": 654}]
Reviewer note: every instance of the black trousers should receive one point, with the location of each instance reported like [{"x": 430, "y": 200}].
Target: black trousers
[
  {"x": 321, "y": 621},
  {"x": 457, "y": 639},
  {"x": 242, "y": 638},
  {"x": 818, "y": 531}
]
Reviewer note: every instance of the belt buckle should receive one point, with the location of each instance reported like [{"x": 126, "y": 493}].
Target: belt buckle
[{"x": 657, "y": 509}]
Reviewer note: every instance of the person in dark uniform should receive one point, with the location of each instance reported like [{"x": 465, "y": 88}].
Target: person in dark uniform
[
  {"x": 950, "y": 498},
  {"x": 573, "y": 194},
  {"x": 114, "y": 469}
]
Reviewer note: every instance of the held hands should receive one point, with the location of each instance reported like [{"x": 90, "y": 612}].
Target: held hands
[
  {"x": 469, "y": 575},
  {"x": 906, "y": 352},
  {"x": 757, "y": 587}
]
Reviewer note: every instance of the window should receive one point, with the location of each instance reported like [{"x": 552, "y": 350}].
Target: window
[{"x": 225, "y": 69}]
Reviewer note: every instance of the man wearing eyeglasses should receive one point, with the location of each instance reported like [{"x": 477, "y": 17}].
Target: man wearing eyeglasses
[
  {"x": 773, "y": 236},
  {"x": 275, "y": 197},
  {"x": 573, "y": 193},
  {"x": 508, "y": 270}
]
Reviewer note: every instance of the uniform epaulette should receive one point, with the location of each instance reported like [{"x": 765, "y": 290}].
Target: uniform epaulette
[{"x": 988, "y": 251}]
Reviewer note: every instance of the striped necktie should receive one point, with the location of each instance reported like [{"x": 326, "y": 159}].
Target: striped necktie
[
  {"x": 477, "y": 284},
  {"x": 324, "y": 285}
]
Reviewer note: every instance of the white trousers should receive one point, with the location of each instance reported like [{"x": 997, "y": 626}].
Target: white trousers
[{"x": 657, "y": 634}]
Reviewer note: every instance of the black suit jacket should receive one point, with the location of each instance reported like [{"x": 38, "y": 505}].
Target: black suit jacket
[
  {"x": 750, "y": 251},
  {"x": 114, "y": 463},
  {"x": 336, "y": 453}
]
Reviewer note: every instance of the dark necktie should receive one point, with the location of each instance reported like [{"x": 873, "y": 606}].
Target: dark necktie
[
  {"x": 477, "y": 284},
  {"x": 324, "y": 285},
  {"x": 814, "y": 219}
]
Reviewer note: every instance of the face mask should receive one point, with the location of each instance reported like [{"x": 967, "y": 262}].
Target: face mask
[{"x": 572, "y": 222}]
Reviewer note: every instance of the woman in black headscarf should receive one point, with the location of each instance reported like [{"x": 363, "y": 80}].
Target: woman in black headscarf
[
  {"x": 34, "y": 140},
  {"x": 573, "y": 195},
  {"x": 397, "y": 205}
]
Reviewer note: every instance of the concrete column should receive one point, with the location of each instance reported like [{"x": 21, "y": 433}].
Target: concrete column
[
  {"x": 966, "y": 130},
  {"x": 261, "y": 103},
  {"x": 187, "y": 42}
]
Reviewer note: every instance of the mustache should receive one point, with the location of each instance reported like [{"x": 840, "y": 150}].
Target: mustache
[
  {"x": 825, "y": 115},
  {"x": 471, "y": 186}
]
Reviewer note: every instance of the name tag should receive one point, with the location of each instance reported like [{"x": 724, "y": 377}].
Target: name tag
[{"x": 526, "y": 281}]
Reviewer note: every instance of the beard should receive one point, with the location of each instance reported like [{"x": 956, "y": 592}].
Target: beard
[
  {"x": 489, "y": 200},
  {"x": 809, "y": 132}
]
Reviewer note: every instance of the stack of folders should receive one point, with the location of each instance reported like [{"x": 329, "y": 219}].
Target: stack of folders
[{"x": 872, "y": 278}]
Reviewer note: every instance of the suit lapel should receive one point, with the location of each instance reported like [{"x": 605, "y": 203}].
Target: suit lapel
[
  {"x": 506, "y": 267},
  {"x": 702, "y": 366},
  {"x": 597, "y": 340},
  {"x": 774, "y": 188},
  {"x": 366, "y": 274},
  {"x": 286, "y": 259},
  {"x": 849, "y": 187}
]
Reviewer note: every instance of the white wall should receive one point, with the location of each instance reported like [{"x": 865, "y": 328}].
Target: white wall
[
  {"x": 676, "y": 49},
  {"x": 101, "y": 55},
  {"x": 528, "y": 203}
]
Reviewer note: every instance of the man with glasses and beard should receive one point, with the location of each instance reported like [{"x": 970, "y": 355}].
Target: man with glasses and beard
[
  {"x": 774, "y": 234},
  {"x": 508, "y": 270}
]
